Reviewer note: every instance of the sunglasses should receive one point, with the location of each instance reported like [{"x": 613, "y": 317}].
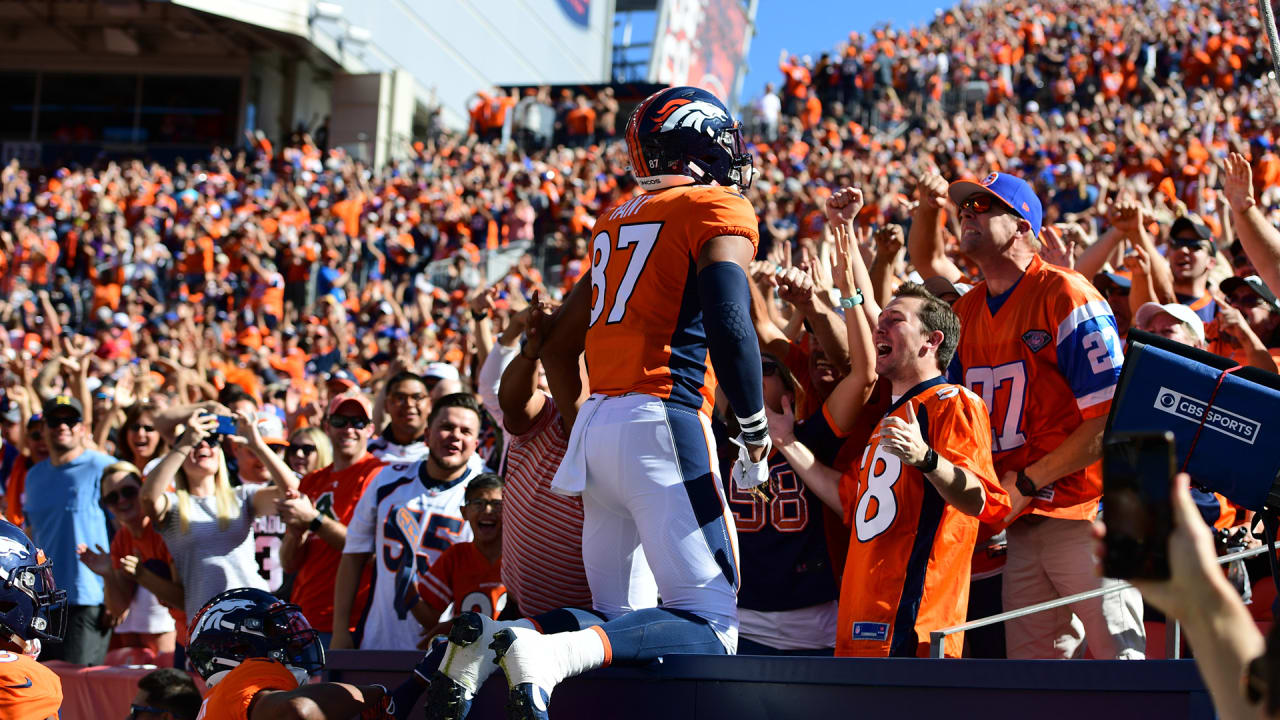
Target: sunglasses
[
  {"x": 128, "y": 492},
  {"x": 144, "y": 428},
  {"x": 135, "y": 709},
  {"x": 56, "y": 421},
  {"x": 1192, "y": 244},
  {"x": 342, "y": 422},
  {"x": 1245, "y": 301},
  {"x": 304, "y": 449},
  {"x": 485, "y": 505},
  {"x": 769, "y": 369},
  {"x": 983, "y": 202},
  {"x": 212, "y": 441}
]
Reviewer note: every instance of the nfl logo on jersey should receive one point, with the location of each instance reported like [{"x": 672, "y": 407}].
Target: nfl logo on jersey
[
  {"x": 1036, "y": 339},
  {"x": 871, "y": 631}
]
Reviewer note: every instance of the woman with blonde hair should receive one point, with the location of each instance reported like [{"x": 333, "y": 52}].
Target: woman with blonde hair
[
  {"x": 138, "y": 571},
  {"x": 309, "y": 450},
  {"x": 207, "y": 524}
]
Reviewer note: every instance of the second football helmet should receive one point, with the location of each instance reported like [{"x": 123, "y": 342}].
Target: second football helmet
[
  {"x": 686, "y": 132},
  {"x": 31, "y": 605},
  {"x": 248, "y": 623}
]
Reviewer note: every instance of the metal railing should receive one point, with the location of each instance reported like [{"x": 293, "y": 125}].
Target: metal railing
[{"x": 1173, "y": 632}]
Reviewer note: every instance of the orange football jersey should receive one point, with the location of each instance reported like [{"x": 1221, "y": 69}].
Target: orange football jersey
[
  {"x": 464, "y": 577},
  {"x": 907, "y": 571},
  {"x": 28, "y": 690},
  {"x": 646, "y": 332},
  {"x": 1045, "y": 361},
  {"x": 231, "y": 698}
]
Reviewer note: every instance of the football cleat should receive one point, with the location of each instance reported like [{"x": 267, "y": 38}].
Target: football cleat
[
  {"x": 466, "y": 665},
  {"x": 531, "y": 667}
]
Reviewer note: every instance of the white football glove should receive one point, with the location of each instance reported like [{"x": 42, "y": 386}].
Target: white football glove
[{"x": 747, "y": 474}]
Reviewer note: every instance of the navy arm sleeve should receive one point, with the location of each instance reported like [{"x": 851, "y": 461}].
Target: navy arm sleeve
[{"x": 735, "y": 351}]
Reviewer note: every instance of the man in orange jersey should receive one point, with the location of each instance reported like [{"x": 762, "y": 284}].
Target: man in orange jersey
[
  {"x": 666, "y": 301},
  {"x": 468, "y": 575},
  {"x": 923, "y": 483},
  {"x": 1039, "y": 344},
  {"x": 32, "y": 609},
  {"x": 256, "y": 653},
  {"x": 317, "y": 520}
]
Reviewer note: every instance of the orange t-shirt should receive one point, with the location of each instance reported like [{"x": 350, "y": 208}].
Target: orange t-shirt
[
  {"x": 334, "y": 493},
  {"x": 465, "y": 577},
  {"x": 154, "y": 555}
]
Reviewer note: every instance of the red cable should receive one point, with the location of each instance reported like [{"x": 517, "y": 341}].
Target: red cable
[{"x": 1205, "y": 416}]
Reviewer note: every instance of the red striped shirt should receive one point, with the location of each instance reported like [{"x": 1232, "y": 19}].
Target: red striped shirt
[{"x": 541, "y": 530}]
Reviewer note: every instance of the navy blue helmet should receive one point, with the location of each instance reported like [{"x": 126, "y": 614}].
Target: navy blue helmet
[
  {"x": 686, "y": 131},
  {"x": 248, "y": 623},
  {"x": 31, "y": 605}
]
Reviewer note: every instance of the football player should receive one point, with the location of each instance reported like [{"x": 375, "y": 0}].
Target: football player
[
  {"x": 32, "y": 609},
  {"x": 256, "y": 652},
  {"x": 667, "y": 300}
]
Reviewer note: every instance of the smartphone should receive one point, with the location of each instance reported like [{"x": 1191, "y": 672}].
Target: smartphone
[
  {"x": 226, "y": 425},
  {"x": 1137, "y": 480}
]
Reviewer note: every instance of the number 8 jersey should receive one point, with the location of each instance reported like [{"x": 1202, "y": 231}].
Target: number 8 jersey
[
  {"x": 907, "y": 571},
  {"x": 646, "y": 333},
  {"x": 1046, "y": 359}
]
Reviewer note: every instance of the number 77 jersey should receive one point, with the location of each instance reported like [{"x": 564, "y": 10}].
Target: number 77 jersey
[
  {"x": 1044, "y": 360},
  {"x": 646, "y": 333}
]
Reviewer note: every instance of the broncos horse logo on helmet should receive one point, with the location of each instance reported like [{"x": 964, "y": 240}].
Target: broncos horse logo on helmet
[
  {"x": 249, "y": 623},
  {"x": 31, "y": 605},
  {"x": 685, "y": 135}
]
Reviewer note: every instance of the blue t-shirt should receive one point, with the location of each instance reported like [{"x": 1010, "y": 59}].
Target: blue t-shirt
[{"x": 62, "y": 505}]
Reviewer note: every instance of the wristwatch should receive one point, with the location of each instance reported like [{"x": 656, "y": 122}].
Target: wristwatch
[
  {"x": 316, "y": 522},
  {"x": 930, "y": 462},
  {"x": 1024, "y": 485}
]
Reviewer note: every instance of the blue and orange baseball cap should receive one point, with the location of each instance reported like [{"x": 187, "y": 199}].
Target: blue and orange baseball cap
[{"x": 1008, "y": 189}]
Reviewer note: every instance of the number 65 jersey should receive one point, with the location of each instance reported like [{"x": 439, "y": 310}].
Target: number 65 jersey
[
  {"x": 1044, "y": 360},
  {"x": 907, "y": 571},
  {"x": 646, "y": 334}
]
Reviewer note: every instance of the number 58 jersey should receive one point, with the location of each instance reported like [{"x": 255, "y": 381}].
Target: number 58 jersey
[
  {"x": 646, "y": 333},
  {"x": 907, "y": 570}
]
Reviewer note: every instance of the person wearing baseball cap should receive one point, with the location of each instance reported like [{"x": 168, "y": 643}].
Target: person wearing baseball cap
[
  {"x": 1041, "y": 345},
  {"x": 1191, "y": 256},
  {"x": 315, "y": 535},
  {"x": 1174, "y": 321},
  {"x": 1248, "y": 331},
  {"x": 65, "y": 514}
]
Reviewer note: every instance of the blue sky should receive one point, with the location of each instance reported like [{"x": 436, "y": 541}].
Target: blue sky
[{"x": 812, "y": 26}]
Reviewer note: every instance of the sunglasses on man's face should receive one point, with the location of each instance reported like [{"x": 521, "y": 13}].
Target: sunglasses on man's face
[
  {"x": 1245, "y": 300},
  {"x": 69, "y": 421},
  {"x": 128, "y": 492},
  {"x": 136, "y": 710},
  {"x": 342, "y": 422},
  {"x": 1192, "y": 244},
  {"x": 983, "y": 203}
]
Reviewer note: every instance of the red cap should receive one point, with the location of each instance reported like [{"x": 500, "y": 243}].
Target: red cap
[{"x": 351, "y": 397}]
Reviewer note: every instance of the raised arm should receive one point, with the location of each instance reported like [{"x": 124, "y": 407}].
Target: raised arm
[
  {"x": 1261, "y": 241},
  {"x": 562, "y": 349},
  {"x": 924, "y": 242},
  {"x": 518, "y": 394},
  {"x": 848, "y": 397},
  {"x": 199, "y": 426}
]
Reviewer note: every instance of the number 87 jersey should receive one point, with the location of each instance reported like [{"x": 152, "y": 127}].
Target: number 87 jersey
[
  {"x": 646, "y": 333},
  {"x": 1044, "y": 360}
]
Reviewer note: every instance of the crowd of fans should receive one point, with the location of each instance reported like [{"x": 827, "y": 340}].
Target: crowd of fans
[{"x": 342, "y": 319}]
